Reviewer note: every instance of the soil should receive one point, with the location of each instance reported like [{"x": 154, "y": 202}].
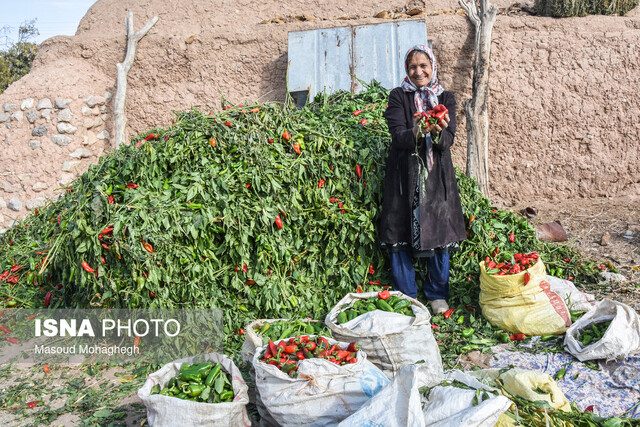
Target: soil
[{"x": 586, "y": 221}]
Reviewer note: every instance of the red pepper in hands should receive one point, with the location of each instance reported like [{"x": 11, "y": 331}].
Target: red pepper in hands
[{"x": 371, "y": 270}]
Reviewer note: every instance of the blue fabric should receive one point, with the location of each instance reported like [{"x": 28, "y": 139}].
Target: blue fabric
[{"x": 403, "y": 276}]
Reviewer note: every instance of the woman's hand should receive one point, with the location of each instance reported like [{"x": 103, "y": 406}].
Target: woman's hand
[{"x": 422, "y": 127}]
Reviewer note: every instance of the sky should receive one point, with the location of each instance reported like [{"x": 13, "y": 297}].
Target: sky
[{"x": 53, "y": 17}]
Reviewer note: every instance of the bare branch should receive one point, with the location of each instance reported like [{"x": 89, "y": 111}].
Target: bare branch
[{"x": 123, "y": 68}]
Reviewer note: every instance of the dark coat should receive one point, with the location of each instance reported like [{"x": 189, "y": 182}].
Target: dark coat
[{"x": 441, "y": 218}]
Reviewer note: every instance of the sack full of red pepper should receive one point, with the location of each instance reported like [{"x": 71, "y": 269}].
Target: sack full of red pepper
[
  {"x": 515, "y": 295},
  {"x": 397, "y": 332},
  {"x": 174, "y": 394},
  {"x": 315, "y": 377}
]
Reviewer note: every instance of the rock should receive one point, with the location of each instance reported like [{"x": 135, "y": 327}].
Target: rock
[
  {"x": 104, "y": 109},
  {"x": 606, "y": 237},
  {"x": 90, "y": 138},
  {"x": 103, "y": 135},
  {"x": 66, "y": 128},
  {"x": 8, "y": 126},
  {"x": 3, "y": 204},
  {"x": 46, "y": 114},
  {"x": 34, "y": 144},
  {"x": 610, "y": 277},
  {"x": 66, "y": 178},
  {"x": 65, "y": 115},
  {"x": 39, "y": 186},
  {"x": 39, "y": 131},
  {"x": 81, "y": 153},
  {"x": 32, "y": 116},
  {"x": 67, "y": 166},
  {"x": 4, "y": 117},
  {"x": 93, "y": 100},
  {"x": 86, "y": 111},
  {"x": 61, "y": 140},
  {"x": 93, "y": 123},
  {"x": 62, "y": 103},
  {"x": 15, "y": 204},
  {"x": 36, "y": 202},
  {"x": 7, "y": 187},
  {"x": 44, "y": 104},
  {"x": 107, "y": 96},
  {"x": 634, "y": 227},
  {"x": 17, "y": 116},
  {"x": 27, "y": 104},
  {"x": 9, "y": 107},
  {"x": 628, "y": 234}
]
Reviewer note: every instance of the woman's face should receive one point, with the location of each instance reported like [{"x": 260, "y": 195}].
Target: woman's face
[{"x": 419, "y": 69}]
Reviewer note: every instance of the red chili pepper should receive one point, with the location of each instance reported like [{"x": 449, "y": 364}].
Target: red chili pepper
[
  {"x": 527, "y": 277},
  {"x": 439, "y": 111},
  {"x": 132, "y": 185},
  {"x": 46, "y": 369},
  {"x": 566, "y": 260},
  {"x": 13, "y": 279},
  {"x": 212, "y": 142},
  {"x": 512, "y": 237},
  {"x": 5, "y": 329},
  {"x": 14, "y": 268},
  {"x": 279, "y": 222},
  {"x": 86, "y": 267},
  {"x": 33, "y": 404},
  {"x": 59, "y": 286},
  {"x": 448, "y": 313},
  {"x": 111, "y": 200},
  {"x": 359, "y": 171},
  {"x": 286, "y": 135},
  {"x": 47, "y": 299},
  {"x": 363, "y": 122},
  {"x": 470, "y": 307},
  {"x": 228, "y": 124},
  {"x": 517, "y": 337},
  {"x": 240, "y": 331},
  {"x": 139, "y": 143},
  {"x": 270, "y": 140},
  {"x": 495, "y": 252},
  {"x": 102, "y": 258},
  {"x": 570, "y": 278},
  {"x": 12, "y": 340},
  {"x": 107, "y": 230},
  {"x": 147, "y": 246},
  {"x": 434, "y": 326},
  {"x": 359, "y": 289},
  {"x": 384, "y": 295},
  {"x": 245, "y": 269},
  {"x": 4, "y": 275},
  {"x": 353, "y": 346},
  {"x": 296, "y": 148},
  {"x": 374, "y": 282},
  {"x": 371, "y": 270},
  {"x": 355, "y": 113},
  {"x": 321, "y": 183},
  {"x": 152, "y": 294}
]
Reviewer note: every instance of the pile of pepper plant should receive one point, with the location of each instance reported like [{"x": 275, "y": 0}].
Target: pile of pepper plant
[{"x": 264, "y": 211}]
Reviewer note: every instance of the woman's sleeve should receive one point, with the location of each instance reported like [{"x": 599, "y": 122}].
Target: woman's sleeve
[
  {"x": 401, "y": 137},
  {"x": 448, "y": 134}
]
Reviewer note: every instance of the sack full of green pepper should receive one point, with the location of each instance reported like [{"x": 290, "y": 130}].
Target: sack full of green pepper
[
  {"x": 197, "y": 391},
  {"x": 392, "y": 328},
  {"x": 610, "y": 330}
]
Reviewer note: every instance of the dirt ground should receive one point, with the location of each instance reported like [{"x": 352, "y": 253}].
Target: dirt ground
[{"x": 586, "y": 221}]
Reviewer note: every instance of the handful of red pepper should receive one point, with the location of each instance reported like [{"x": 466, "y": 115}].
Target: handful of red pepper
[
  {"x": 287, "y": 353},
  {"x": 521, "y": 262},
  {"x": 432, "y": 116}
]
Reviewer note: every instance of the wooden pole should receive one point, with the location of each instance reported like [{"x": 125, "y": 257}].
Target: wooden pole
[
  {"x": 120, "y": 118},
  {"x": 483, "y": 16}
]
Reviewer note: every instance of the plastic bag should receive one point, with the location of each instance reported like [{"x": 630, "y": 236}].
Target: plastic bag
[{"x": 532, "y": 309}]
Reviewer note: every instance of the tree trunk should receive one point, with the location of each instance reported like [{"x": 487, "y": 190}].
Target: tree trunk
[
  {"x": 483, "y": 16},
  {"x": 119, "y": 116}
]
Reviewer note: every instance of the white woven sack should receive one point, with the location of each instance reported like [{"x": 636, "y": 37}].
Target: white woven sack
[
  {"x": 572, "y": 297},
  {"x": 449, "y": 406},
  {"x": 253, "y": 340},
  {"x": 170, "y": 411},
  {"x": 621, "y": 339},
  {"x": 323, "y": 394},
  {"x": 390, "y": 340}
]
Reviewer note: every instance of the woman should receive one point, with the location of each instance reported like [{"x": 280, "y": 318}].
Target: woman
[{"x": 421, "y": 210}]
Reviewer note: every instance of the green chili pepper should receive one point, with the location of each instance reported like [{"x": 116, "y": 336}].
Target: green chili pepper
[
  {"x": 155, "y": 389},
  {"x": 467, "y": 332},
  {"x": 549, "y": 337},
  {"x": 212, "y": 375},
  {"x": 196, "y": 389},
  {"x": 460, "y": 320},
  {"x": 227, "y": 396}
]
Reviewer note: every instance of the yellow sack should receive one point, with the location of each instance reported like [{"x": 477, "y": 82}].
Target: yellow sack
[
  {"x": 524, "y": 383},
  {"x": 532, "y": 309}
]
